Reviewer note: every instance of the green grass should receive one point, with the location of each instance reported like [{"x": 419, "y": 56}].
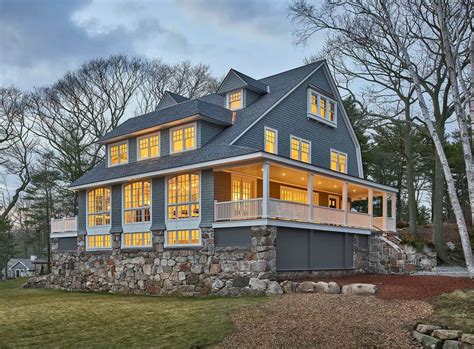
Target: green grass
[
  {"x": 455, "y": 310},
  {"x": 44, "y": 318}
]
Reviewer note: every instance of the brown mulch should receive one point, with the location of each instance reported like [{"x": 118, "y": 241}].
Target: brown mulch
[
  {"x": 327, "y": 321},
  {"x": 407, "y": 287}
]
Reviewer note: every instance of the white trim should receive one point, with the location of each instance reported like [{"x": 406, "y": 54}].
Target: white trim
[
  {"x": 265, "y": 138},
  {"x": 158, "y": 133},
  {"x": 98, "y": 248},
  {"x": 166, "y": 245},
  {"x": 338, "y": 203},
  {"x": 26, "y": 268},
  {"x": 316, "y": 116},
  {"x": 275, "y": 104},
  {"x": 98, "y": 229},
  {"x": 136, "y": 227},
  {"x": 242, "y": 105},
  {"x": 240, "y": 177},
  {"x": 279, "y": 223},
  {"x": 63, "y": 235},
  {"x": 122, "y": 241},
  {"x": 170, "y": 136},
  {"x": 109, "y": 164},
  {"x": 331, "y": 150},
  {"x": 299, "y": 139}
]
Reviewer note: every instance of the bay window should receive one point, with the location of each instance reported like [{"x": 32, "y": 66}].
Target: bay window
[
  {"x": 137, "y": 202},
  {"x": 98, "y": 207},
  {"x": 300, "y": 149},
  {"x": 149, "y": 146},
  {"x": 183, "y": 197},
  {"x": 183, "y": 138},
  {"x": 98, "y": 242},
  {"x": 321, "y": 108},
  {"x": 131, "y": 240},
  {"x": 183, "y": 237},
  {"x": 118, "y": 153}
]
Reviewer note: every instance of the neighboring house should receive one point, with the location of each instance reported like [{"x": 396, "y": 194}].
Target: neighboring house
[
  {"x": 262, "y": 177},
  {"x": 20, "y": 267}
]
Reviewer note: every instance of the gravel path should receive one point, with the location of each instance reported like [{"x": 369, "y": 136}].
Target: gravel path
[
  {"x": 323, "y": 320},
  {"x": 446, "y": 271}
]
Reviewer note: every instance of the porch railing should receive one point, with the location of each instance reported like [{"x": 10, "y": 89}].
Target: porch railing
[
  {"x": 391, "y": 225},
  {"x": 238, "y": 210},
  {"x": 357, "y": 219},
  {"x": 288, "y": 210},
  {"x": 64, "y": 225},
  {"x": 328, "y": 215}
]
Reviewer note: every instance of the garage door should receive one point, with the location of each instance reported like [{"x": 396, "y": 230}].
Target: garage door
[{"x": 300, "y": 249}]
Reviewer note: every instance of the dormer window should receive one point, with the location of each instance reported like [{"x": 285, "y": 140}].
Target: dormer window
[
  {"x": 321, "y": 108},
  {"x": 235, "y": 100},
  {"x": 183, "y": 138}
]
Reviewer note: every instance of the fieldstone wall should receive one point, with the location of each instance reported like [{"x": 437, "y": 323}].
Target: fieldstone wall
[{"x": 171, "y": 271}]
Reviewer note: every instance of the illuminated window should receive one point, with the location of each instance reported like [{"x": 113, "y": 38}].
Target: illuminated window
[
  {"x": 235, "y": 100},
  {"x": 338, "y": 161},
  {"x": 332, "y": 111},
  {"x": 183, "y": 197},
  {"x": 183, "y": 138},
  {"x": 271, "y": 140},
  {"x": 322, "y": 107},
  {"x": 148, "y": 146},
  {"x": 137, "y": 202},
  {"x": 314, "y": 103},
  {"x": 183, "y": 237},
  {"x": 300, "y": 149},
  {"x": 294, "y": 195},
  {"x": 137, "y": 239},
  {"x": 118, "y": 154},
  {"x": 98, "y": 207},
  {"x": 98, "y": 242}
]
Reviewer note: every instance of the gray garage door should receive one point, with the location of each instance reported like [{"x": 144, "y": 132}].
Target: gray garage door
[{"x": 300, "y": 249}]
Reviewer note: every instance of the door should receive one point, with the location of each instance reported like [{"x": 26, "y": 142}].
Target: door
[
  {"x": 242, "y": 189},
  {"x": 333, "y": 201}
]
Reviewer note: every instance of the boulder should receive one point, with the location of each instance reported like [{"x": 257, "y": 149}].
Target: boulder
[
  {"x": 450, "y": 344},
  {"x": 334, "y": 288},
  {"x": 361, "y": 289},
  {"x": 321, "y": 287},
  {"x": 274, "y": 287},
  {"x": 257, "y": 284},
  {"x": 427, "y": 329},
  {"x": 305, "y": 287},
  {"x": 289, "y": 286},
  {"x": 217, "y": 284},
  {"x": 427, "y": 341},
  {"x": 468, "y": 338},
  {"x": 446, "y": 334}
]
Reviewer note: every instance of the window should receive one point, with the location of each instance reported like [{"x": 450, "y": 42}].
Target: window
[
  {"x": 183, "y": 138},
  {"x": 271, "y": 140},
  {"x": 149, "y": 146},
  {"x": 183, "y": 237},
  {"x": 297, "y": 195},
  {"x": 234, "y": 100},
  {"x": 242, "y": 188},
  {"x": 136, "y": 239},
  {"x": 338, "y": 161},
  {"x": 333, "y": 201},
  {"x": 183, "y": 197},
  {"x": 322, "y": 108},
  {"x": 98, "y": 209},
  {"x": 98, "y": 242},
  {"x": 137, "y": 202},
  {"x": 300, "y": 149},
  {"x": 118, "y": 154}
]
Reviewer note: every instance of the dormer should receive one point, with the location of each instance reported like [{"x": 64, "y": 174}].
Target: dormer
[
  {"x": 240, "y": 90},
  {"x": 169, "y": 99}
]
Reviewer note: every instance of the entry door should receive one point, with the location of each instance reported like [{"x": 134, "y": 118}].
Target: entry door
[{"x": 242, "y": 189}]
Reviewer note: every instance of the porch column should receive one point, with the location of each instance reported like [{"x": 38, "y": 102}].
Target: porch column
[
  {"x": 310, "y": 196},
  {"x": 344, "y": 201},
  {"x": 266, "y": 189},
  {"x": 394, "y": 209},
  {"x": 384, "y": 211},
  {"x": 370, "y": 206}
]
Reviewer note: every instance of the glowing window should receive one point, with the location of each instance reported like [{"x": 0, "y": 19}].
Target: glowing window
[
  {"x": 137, "y": 202},
  {"x": 300, "y": 149},
  {"x": 322, "y": 107},
  {"x": 314, "y": 103},
  {"x": 137, "y": 239},
  {"x": 332, "y": 111},
  {"x": 338, "y": 161},
  {"x": 235, "y": 100},
  {"x": 183, "y": 237},
  {"x": 118, "y": 154},
  {"x": 98, "y": 242},
  {"x": 292, "y": 194},
  {"x": 183, "y": 197},
  {"x": 183, "y": 138},
  {"x": 149, "y": 146},
  {"x": 271, "y": 139},
  {"x": 98, "y": 207}
]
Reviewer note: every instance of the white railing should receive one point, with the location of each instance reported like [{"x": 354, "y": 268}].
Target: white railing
[
  {"x": 238, "y": 210},
  {"x": 378, "y": 223},
  {"x": 328, "y": 215},
  {"x": 359, "y": 220},
  {"x": 288, "y": 210},
  {"x": 391, "y": 226},
  {"x": 64, "y": 225}
]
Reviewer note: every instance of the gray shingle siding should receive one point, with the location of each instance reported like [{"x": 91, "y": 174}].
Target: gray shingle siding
[
  {"x": 207, "y": 131},
  {"x": 250, "y": 97},
  {"x": 290, "y": 118},
  {"x": 116, "y": 202},
  {"x": 158, "y": 203},
  {"x": 81, "y": 213},
  {"x": 232, "y": 82},
  {"x": 166, "y": 101},
  {"x": 132, "y": 149},
  {"x": 165, "y": 142},
  {"x": 207, "y": 198}
]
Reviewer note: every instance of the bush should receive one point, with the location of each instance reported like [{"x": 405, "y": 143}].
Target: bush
[{"x": 413, "y": 241}]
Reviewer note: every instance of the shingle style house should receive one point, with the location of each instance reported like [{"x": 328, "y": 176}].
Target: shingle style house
[{"x": 220, "y": 194}]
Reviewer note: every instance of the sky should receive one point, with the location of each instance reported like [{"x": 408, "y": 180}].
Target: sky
[{"x": 40, "y": 40}]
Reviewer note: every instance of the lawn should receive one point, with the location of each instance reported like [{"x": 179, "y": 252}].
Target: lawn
[
  {"x": 48, "y": 318},
  {"x": 455, "y": 310}
]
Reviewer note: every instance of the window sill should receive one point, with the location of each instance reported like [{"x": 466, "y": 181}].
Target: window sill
[
  {"x": 183, "y": 247},
  {"x": 321, "y": 120}
]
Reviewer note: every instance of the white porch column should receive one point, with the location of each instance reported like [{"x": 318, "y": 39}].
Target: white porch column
[
  {"x": 370, "y": 204},
  {"x": 344, "y": 201},
  {"x": 310, "y": 196},
  {"x": 394, "y": 209},
  {"x": 266, "y": 189},
  {"x": 384, "y": 211}
]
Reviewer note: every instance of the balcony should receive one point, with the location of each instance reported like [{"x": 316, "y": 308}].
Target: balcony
[{"x": 64, "y": 227}]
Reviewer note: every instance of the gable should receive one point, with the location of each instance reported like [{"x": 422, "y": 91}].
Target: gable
[
  {"x": 166, "y": 101},
  {"x": 231, "y": 82}
]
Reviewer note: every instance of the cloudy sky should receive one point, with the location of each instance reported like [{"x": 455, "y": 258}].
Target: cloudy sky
[{"x": 42, "y": 39}]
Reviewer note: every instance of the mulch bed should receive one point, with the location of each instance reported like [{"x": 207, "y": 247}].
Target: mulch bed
[{"x": 406, "y": 287}]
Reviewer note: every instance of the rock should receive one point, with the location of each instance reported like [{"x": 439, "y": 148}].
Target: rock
[
  {"x": 427, "y": 341},
  {"x": 360, "y": 289},
  {"x": 334, "y": 288},
  {"x": 446, "y": 334},
  {"x": 450, "y": 344},
  {"x": 451, "y": 246},
  {"x": 241, "y": 281},
  {"x": 289, "y": 286},
  {"x": 468, "y": 338},
  {"x": 274, "y": 288},
  {"x": 215, "y": 269},
  {"x": 305, "y": 287},
  {"x": 321, "y": 287},
  {"x": 427, "y": 329},
  {"x": 257, "y": 284},
  {"x": 217, "y": 284}
]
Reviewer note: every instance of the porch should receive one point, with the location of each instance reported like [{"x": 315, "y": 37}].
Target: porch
[
  {"x": 64, "y": 227},
  {"x": 273, "y": 191}
]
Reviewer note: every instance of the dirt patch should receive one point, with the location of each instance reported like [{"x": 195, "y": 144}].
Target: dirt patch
[
  {"x": 406, "y": 287},
  {"x": 328, "y": 321}
]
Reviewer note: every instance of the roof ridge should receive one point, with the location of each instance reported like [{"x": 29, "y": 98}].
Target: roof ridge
[{"x": 289, "y": 70}]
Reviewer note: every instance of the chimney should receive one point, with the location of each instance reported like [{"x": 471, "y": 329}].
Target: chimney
[{"x": 33, "y": 258}]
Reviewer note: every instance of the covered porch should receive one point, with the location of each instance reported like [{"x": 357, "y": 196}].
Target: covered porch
[{"x": 267, "y": 190}]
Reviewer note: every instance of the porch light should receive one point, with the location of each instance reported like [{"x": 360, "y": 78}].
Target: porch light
[
  {"x": 319, "y": 182},
  {"x": 283, "y": 174}
]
